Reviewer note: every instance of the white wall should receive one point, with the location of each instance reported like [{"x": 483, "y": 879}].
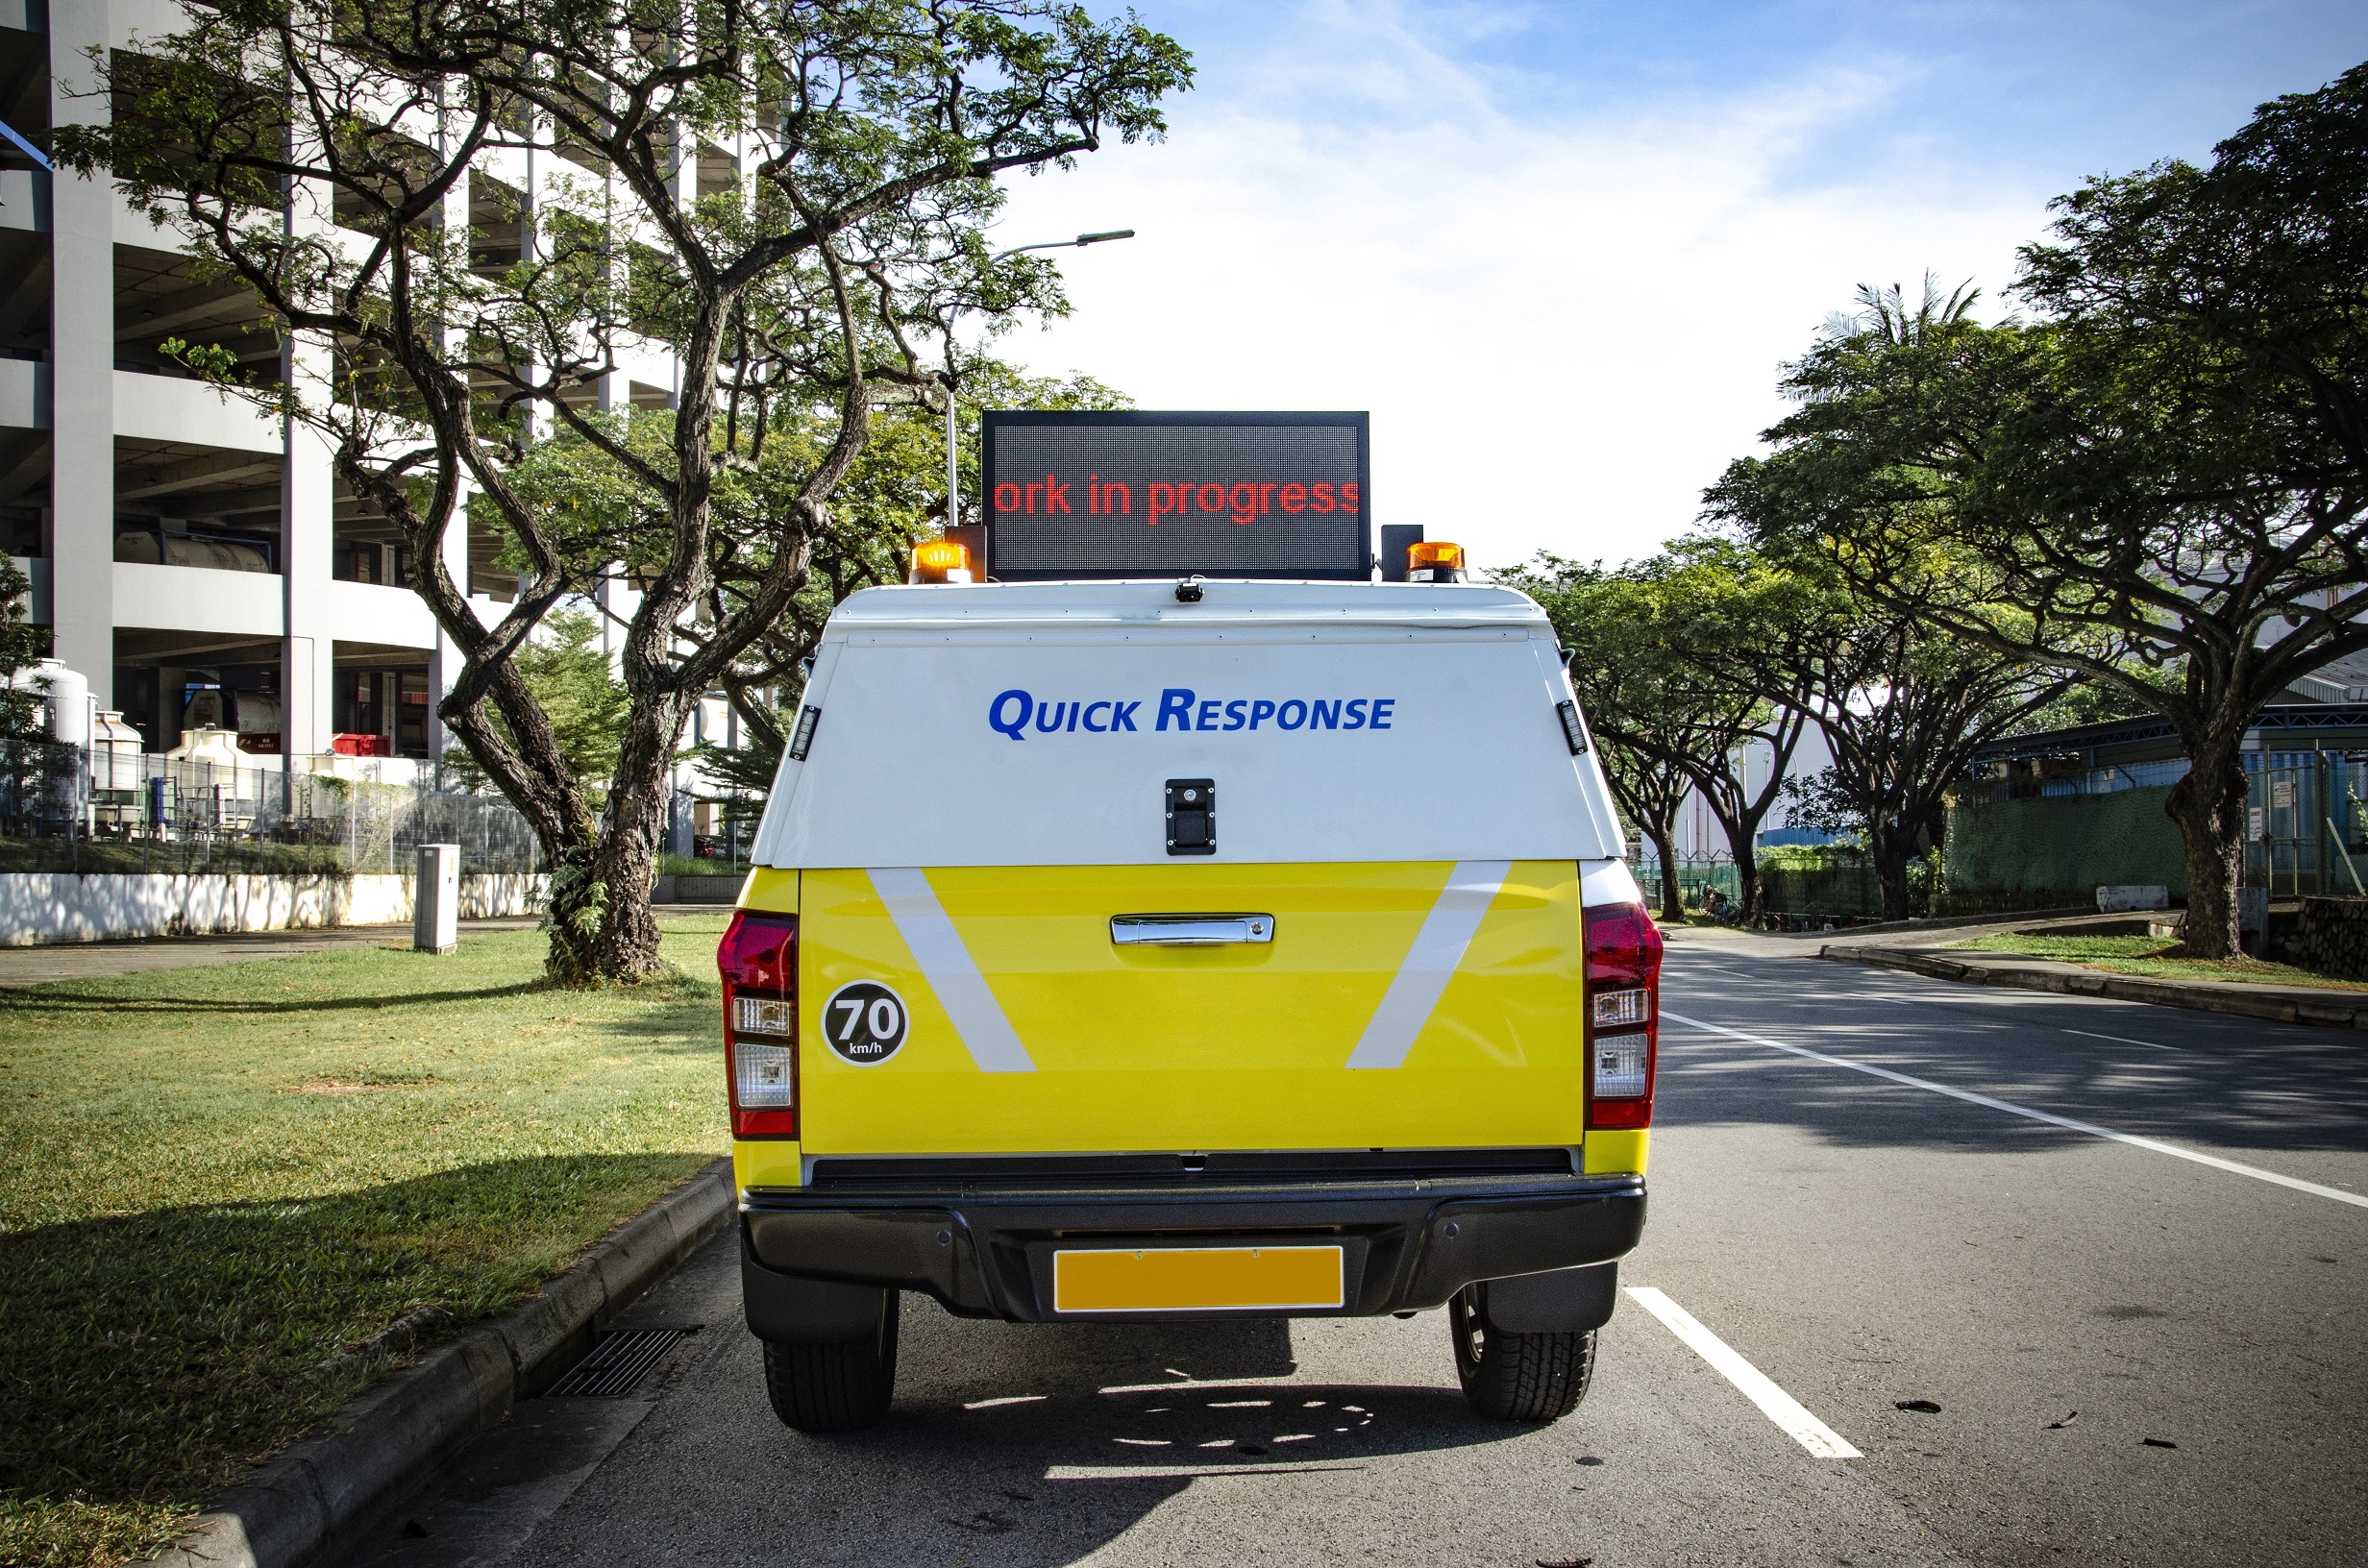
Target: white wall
[{"x": 39, "y": 907}]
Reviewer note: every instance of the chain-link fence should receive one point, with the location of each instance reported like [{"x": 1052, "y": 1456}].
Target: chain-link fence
[
  {"x": 2306, "y": 828},
  {"x": 65, "y": 809},
  {"x": 1698, "y": 880}
]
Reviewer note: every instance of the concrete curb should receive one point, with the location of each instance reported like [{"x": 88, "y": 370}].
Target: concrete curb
[
  {"x": 300, "y": 1505},
  {"x": 2337, "y": 1011}
]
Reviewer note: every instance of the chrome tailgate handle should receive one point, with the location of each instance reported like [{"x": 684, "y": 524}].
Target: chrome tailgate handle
[{"x": 1189, "y": 930}]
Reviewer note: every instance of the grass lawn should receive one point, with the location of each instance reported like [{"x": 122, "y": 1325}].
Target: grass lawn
[
  {"x": 2154, "y": 957},
  {"x": 215, "y": 1179}
]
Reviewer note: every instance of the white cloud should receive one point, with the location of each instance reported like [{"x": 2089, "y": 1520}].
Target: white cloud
[{"x": 1563, "y": 331}]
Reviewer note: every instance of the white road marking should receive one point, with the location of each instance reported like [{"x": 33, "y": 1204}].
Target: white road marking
[
  {"x": 2120, "y": 1039},
  {"x": 1430, "y": 963},
  {"x": 1779, "y": 1406},
  {"x": 2049, "y": 1116},
  {"x": 1156, "y": 1471},
  {"x": 945, "y": 963},
  {"x": 1007, "y": 1399}
]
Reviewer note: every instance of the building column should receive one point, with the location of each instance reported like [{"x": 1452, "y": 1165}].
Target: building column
[
  {"x": 307, "y": 523},
  {"x": 82, "y": 366},
  {"x": 307, "y": 535}
]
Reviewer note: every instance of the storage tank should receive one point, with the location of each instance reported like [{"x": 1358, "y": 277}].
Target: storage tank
[
  {"x": 67, "y": 696},
  {"x": 115, "y": 770}
]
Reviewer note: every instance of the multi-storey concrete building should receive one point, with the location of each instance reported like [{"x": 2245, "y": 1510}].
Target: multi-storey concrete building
[{"x": 181, "y": 542}]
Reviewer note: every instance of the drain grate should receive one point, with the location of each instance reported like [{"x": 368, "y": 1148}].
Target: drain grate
[{"x": 616, "y": 1365}]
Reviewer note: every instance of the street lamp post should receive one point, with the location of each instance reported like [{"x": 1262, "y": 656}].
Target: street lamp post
[{"x": 953, "y": 488}]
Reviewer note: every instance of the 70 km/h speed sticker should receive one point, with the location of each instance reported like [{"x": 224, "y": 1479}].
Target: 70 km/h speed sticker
[{"x": 864, "y": 1022}]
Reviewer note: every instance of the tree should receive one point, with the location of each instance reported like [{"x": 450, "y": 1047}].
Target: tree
[
  {"x": 1670, "y": 720},
  {"x": 894, "y": 494},
  {"x": 1902, "y": 704},
  {"x": 2159, "y": 485},
  {"x": 1638, "y": 722},
  {"x": 567, "y": 670},
  {"x": 339, "y": 158},
  {"x": 23, "y": 644}
]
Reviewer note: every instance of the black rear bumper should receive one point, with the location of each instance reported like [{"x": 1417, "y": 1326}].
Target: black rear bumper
[{"x": 1408, "y": 1242}]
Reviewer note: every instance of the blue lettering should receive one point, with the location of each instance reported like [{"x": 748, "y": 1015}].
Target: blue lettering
[
  {"x": 1016, "y": 728},
  {"x": 1088, "y": 716},
  {"x": 1074, "y": 709},
  {"x": 1260, "y": 709},
  {"x": 1356, "y": 716},
  {"x": 1381, "y": 711},
  {"x": 1325, "y": 715},
  {"x": 1233, "y": 715},
  {"x": 1284, "y": 718},
  {"x": 1176, "y": 703},
  {"x": 1208, "y": 715},
  {"x": 1052, "y": 711},
  {"x": 1122, "y": 715}
]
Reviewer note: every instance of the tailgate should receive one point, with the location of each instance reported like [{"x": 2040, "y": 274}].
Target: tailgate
[{"x": 1410, "y": 1005}]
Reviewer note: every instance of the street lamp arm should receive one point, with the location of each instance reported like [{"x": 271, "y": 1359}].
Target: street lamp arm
[
  {"x": 1067, "y": 244},
  {"x": 953, "y": 504}
]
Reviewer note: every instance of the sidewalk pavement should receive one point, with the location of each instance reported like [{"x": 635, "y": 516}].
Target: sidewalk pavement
[
  {"x": 98, "y": 960},
  {"x": 1929, "y": 951}
]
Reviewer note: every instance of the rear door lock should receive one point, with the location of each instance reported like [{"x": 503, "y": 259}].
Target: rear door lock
[{"x": 1192, "y": 817}]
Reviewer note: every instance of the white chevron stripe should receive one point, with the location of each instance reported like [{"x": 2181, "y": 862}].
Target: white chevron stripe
[
  {"x": 950, "y": 971},
  {"x": 1430, "y": 963}
]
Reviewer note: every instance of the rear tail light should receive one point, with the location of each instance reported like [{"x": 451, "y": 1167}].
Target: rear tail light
[
  {"x": 758, "y": 960},
  {"x": 1623, "y": 1014}
]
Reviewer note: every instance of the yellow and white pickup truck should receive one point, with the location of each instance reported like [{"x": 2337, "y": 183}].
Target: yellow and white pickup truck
[{"x": 1146, "y": 951}]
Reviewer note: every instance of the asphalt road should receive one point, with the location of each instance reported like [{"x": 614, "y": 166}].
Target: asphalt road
[{"x": 1858, "y": 1239}]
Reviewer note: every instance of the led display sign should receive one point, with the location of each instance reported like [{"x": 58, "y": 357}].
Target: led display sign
[{"x": 1145, "y": 495}]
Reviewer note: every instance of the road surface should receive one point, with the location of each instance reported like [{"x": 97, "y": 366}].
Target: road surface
[{"x": 1870, "y": 1189}]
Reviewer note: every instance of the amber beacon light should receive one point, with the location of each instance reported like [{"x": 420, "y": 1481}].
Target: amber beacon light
[
  {"x": 941, "y": 560},
  {"x": 1436, "y": 562}
]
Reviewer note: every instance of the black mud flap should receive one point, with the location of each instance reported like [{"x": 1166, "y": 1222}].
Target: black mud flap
[{"x": 1559, "y": 1301}]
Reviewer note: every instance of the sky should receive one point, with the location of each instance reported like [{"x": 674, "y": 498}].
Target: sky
[{"x": 1560, "y": 251}]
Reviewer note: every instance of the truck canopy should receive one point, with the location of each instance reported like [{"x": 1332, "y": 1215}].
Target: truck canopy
[{"x": 1040, "y": 725}]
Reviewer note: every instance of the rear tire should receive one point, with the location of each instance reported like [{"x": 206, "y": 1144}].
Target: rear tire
[
  {"x": 838, "y": 1384},
  {"x": 1518, "y": 1377}
]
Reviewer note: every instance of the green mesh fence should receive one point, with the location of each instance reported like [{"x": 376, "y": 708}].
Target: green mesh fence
[{"x": 2057, "y": 851}]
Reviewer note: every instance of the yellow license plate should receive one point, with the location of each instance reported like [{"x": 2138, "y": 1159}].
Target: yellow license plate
[{"x": 1196, "y": 1279}]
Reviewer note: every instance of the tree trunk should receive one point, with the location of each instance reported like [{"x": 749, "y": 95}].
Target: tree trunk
[
  {"x": 2209, "y": 805},
  {"x": 1891, "y": 846},
  {"x": 1742, "y": 827},
  {"x": 1672, "y": 891},
  {"x": 615, "y": 934},
  {"x": 1891, "y": 877}
]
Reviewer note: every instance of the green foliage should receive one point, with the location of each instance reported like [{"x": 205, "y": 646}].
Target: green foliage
[
  {"x": 1821, "y": 803},
  {"x": 2160, "y": 485},
  {"x": 2156, "y": 958},
  {"x": 23, "y": 644},
  {"x": 1653, "y": 649},
  {"x": 353, "y": 1135},
  {"x": 320, "y": 151},
  {"x": 585, "y": 703},
  {"x": 570, "y": 677}
]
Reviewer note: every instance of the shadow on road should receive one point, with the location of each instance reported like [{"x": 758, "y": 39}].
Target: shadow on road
[
  {"x": 1039, "y": 1444},
  {"x": 2229, "y": 1084}
]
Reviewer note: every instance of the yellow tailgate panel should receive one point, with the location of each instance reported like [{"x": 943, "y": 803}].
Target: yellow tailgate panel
[{"x": 1241, "y": 1046}]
